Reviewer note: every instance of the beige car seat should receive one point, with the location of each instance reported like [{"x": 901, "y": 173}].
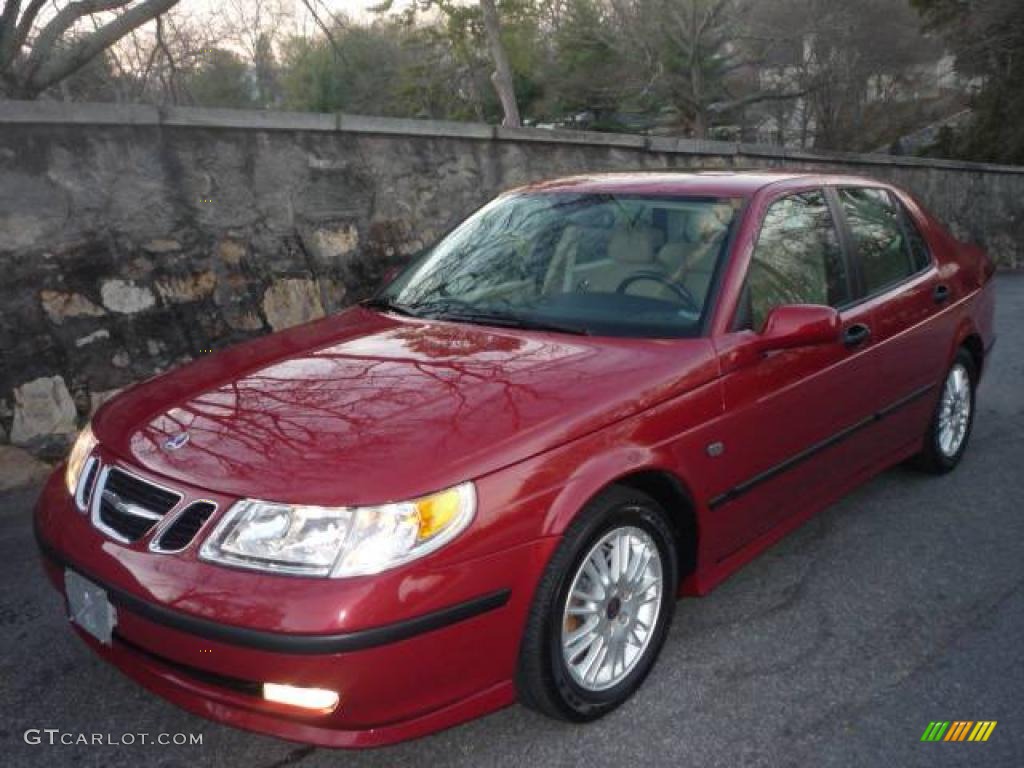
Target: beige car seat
[
  {"x": 692, "y": 260},
  {"x": 691, "y": 264},
  {"x": 629, "y": 252}
]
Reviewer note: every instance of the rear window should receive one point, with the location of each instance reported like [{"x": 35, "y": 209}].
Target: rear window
[{"x": 880, "y": 237}]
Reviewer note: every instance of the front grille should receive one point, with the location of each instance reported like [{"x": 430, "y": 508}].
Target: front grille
[
  {"x": 127, "y": 507},
  {"x": 181, "y": 531},
  {"x": 139, "y": 491}
]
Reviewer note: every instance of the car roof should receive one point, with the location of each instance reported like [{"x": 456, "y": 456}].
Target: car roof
[{"x": 711, "y": 183}]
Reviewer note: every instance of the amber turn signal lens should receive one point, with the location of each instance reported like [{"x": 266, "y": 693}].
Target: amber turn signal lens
[{"x": 437, "y": 512}]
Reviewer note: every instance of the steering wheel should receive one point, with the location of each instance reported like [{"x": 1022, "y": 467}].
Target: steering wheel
[{"x": 678, "y": 289}]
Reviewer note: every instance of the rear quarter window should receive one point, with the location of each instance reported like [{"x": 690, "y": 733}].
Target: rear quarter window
[{"x": 920, "y": 254}]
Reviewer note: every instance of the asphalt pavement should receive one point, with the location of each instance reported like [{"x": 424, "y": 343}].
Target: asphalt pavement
[{"x": 901, "y": 605}]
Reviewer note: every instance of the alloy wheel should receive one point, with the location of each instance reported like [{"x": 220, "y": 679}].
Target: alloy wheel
[
  {"x": 612, "y": 608},
  {"x": 954, "y": 410}
]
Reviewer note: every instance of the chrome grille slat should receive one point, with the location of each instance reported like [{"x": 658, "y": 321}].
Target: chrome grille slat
[
  {"x": 184, "y": 528},
  {"x": 135, "y": 489},
  {"x": 126, "y": 507},
  {"x": 83, "y": 493}
]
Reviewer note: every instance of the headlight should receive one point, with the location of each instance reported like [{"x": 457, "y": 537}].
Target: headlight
[
  {"x": 338, "y": 541},
  {"x": 80, "y": 451}
]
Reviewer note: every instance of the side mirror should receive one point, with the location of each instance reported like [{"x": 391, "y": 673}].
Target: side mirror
[{"x": 799, "y": 325}]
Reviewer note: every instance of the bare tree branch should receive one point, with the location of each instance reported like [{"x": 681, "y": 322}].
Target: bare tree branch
[
  {"x": 79, "y": 53},
  {"x": 8, "y": 25},
  {"x": 13, "y": 37},
  {"x": 325, "y": 28},
  {"x": 171, "y": 83},
  {"x": 757, "y": 98},
  {"x": 66, "y": 18}
]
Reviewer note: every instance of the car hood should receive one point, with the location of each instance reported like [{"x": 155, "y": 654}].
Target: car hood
[{"x": 362, "y": 408}]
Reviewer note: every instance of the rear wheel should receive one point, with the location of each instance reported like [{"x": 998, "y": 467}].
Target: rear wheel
[
  {"x": 950, "y": 427},
  {"x": 602, "y": 609}
]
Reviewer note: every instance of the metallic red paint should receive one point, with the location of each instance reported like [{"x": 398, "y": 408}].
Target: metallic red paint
[{"x": 366, "y": 408}]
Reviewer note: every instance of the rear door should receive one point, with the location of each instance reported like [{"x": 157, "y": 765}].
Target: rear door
[
  {"x": 790, "y": 416},
  {"x": 907, "y": 297}
]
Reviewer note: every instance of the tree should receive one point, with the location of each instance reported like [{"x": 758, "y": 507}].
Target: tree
[
  {"x": 257, "y": 28},
  {"x": 36, "y": 55},
  {"x": 486, "y": 16},
  {"x": 588, "y": 71},
  {"x": 987, "y": 38},
  {"x": 504, "y": 86},
  {"x": 222, "y": 80},
  {"x": 439, "y": 77},
  {"x": 359, "y": 69},
  {"x": 692, "y": 57},
  {"x": 850, "y": 60}
]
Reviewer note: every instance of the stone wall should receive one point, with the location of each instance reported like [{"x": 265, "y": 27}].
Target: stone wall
[{"x": 134, "y": 239}]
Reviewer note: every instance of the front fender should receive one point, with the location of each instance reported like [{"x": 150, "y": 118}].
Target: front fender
[{"x": 596, "y": 474}]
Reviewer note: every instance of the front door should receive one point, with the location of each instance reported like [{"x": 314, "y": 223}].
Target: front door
[{"x": 790, "y": 416}]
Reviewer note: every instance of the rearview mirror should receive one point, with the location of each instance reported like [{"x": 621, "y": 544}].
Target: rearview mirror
[{"x": 799, "y": 325}]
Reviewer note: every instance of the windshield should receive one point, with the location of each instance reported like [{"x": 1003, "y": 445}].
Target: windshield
[{"x": 607, "y": 264}]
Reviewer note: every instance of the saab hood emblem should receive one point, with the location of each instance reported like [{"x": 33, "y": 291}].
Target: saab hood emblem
[{"x": 174, "y": 442}]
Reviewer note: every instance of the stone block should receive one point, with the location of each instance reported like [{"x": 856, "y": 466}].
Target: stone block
[
  {"x": 292, "y": 301},
  {"x": 179, "y": 290},
  {"x": 126, "y": 297},
  {"x": 59, "y": 305},
  {"x": 42, "y": 408}
]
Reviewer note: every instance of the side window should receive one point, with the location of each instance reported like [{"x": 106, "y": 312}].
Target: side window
[
  {"x": 878, "y": 237},
  {"x": 797, "y": 259}
]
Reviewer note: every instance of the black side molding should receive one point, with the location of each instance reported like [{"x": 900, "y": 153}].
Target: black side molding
[
  {"x": 279, "y": 642},
  {"x": 751, "y": 483}
]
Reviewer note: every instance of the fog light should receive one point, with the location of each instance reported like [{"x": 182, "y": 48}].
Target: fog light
[{"x": 319, "y": 699}]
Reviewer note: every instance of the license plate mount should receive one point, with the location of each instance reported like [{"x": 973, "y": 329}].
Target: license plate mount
[{"x": 89, "y": 607}]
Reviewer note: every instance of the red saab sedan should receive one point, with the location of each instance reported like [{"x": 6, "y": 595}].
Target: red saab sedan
[{"x": 493, "y": 480}]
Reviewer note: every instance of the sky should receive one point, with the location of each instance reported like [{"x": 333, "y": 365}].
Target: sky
[{"x": 352, "y": 8}]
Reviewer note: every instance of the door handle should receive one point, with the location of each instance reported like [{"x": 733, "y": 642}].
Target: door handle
[
  {"x": 856, "y": 334},
  {"x": 941, "y": 293}
]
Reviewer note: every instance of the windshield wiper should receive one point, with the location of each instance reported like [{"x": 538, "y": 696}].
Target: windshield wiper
[
  {"x": 462, "y": 311},
  {"x": 510, "y": 320},
  {"x": 390, "y": 305}
]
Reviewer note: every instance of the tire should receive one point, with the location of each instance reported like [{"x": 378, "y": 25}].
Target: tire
[
  {"x": 939, "y": 456},
  {"x": 623, "y": 520}
]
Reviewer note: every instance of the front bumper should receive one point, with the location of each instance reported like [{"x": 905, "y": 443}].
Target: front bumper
[{"x": 206, "y": 637}]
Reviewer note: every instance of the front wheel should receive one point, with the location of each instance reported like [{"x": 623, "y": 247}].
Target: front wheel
[
  {"x": 950, "y": 427},
  {"x": 602, "y": 609}
]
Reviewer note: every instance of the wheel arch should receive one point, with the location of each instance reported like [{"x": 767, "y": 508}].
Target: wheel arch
[
  {"x": 669, "y": 491},
  {"x": 664, "y": 486},
  {"x": 973, "y": 344}
]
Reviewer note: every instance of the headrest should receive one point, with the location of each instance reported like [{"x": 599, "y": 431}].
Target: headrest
[
  {"x": 633, "y": 246},
  {"x": 703, "y": 226}
]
